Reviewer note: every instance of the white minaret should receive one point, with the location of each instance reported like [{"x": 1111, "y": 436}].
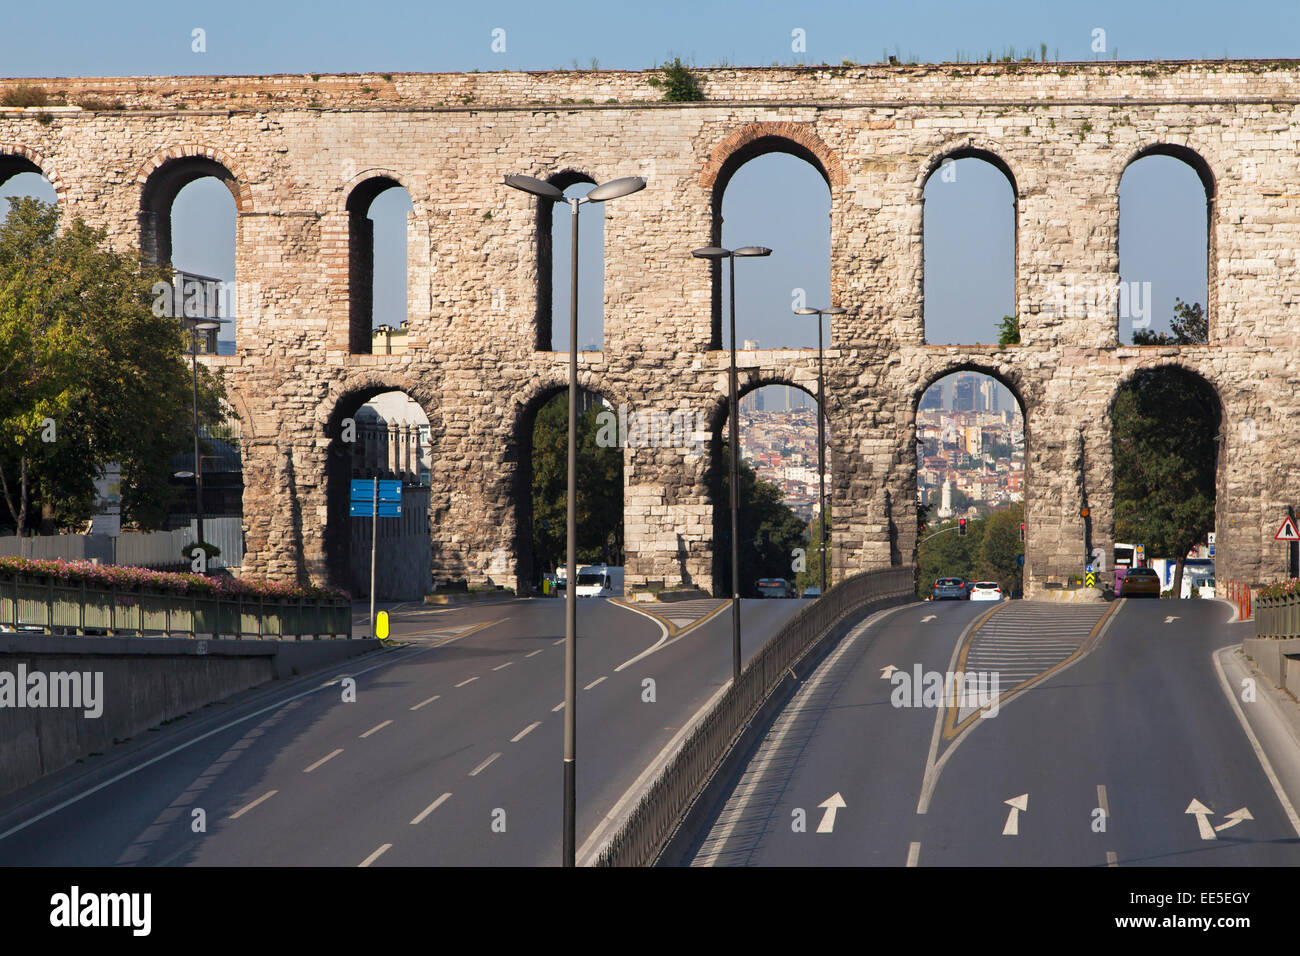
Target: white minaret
[{"x": 945, "y": 502}]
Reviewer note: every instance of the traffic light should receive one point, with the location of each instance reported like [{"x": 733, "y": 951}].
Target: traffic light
[
  {"x": 1022, "y": 532},
  {"x": 961, "y": 526}
]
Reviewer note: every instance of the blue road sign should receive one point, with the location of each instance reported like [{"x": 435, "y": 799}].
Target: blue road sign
[
  {"x": 1211, "y": 550},
  {"x": 364, "y": 490},
  {"x": 1088, "y": 569},
  {"x": 387, "y": 509},
  {"x": 1020, "y": 560}
]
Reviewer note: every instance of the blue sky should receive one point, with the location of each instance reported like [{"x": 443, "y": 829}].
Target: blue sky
[{"x": 773, "y": 201}]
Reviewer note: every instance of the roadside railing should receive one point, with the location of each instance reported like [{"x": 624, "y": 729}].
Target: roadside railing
[
  {"x": 1277, "y": 616},
  {"x": 1240, "y": 594},
  {"x": 53, "y": 607},
  {"x": 653, "y": 821}
]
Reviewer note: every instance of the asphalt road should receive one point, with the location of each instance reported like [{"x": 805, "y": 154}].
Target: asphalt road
[
  {"x": 450, "y": 753},
  {"x": 1101, "y": 757}
]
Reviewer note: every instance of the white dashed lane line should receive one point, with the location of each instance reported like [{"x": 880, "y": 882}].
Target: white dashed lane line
[
  {"x": 464, "y": 682},
  {"x": 375, "y": 729},
  {"x": 534, "y": 653},
  {"x": 266, "y": 796},
  {"x": 376, "y": 855},
  {"x": 594, "y": 683},
  {"x": 329, "y": 756},
  {"x": 524, "y": 733},
  {"x": 483, "y": 766},
  {"x": 427, "y": 700},
  {"x": 429, "y": 809},
  {"x": 503, "y": 666},
  {"x": 558, "y": 707}
]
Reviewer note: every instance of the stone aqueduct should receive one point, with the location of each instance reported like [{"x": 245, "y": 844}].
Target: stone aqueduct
[{"x": 300, "y": 153}]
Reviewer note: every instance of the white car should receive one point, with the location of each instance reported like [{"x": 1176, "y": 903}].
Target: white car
[{"x": 986, "y": 591}]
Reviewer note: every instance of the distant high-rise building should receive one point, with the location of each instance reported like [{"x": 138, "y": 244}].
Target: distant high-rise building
[
  {"x": 933, "y": 397},
  {"x": 749, "y": 345},
  {"x": 988, "y": 395},
  {"x": 758, "y": 395},
  {"x": 963, "y": 394}
]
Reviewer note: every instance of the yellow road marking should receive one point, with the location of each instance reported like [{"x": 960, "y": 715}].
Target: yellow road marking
[
  {"x": 951, "y": 729},
  {"x": 673, "y": 629}
]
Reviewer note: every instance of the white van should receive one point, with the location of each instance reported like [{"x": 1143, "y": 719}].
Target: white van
[{"x": 597, "y": 580}]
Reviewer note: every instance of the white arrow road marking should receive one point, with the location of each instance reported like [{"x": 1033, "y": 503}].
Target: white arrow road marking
[
  {"x": 1171, "y": 618},
  {"x": 885, "y": 672},
  {"x": 1016, "y": 804},
  {"x": 928, "y": 618},
  {"x": 830, "y": 805},
  {"x": 1203, "y": 814},
  {"x": 1235, "y": 817}
]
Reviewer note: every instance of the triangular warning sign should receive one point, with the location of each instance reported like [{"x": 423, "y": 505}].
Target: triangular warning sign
[{"x": 1288, "y": 531}]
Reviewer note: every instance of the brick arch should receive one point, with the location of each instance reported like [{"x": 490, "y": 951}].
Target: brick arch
[
  {"x": 23, "y": 157},
  {"x": 239, "y": 188},
  {"x": 356, "y": 389},
  {"x": 802, "y": 135},
  {"x": 1023, "y": 389},
  {"x": 1203, "y": 372},
  {"x": 400, "y": 179}
]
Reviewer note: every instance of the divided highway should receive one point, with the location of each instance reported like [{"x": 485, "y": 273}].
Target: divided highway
[
  {"x": 1109, "y": 741},
  {"x": 450, "y": 753}
]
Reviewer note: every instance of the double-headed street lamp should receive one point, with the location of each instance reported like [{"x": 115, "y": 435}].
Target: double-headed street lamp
[
  {"x": 549, "y": 192},
  {"x": 821, "y": 429},
  {"x": 716, "y": 253}
]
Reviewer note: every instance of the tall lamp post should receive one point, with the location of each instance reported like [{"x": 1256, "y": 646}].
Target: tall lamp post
[
  {"x": 718, "y": 253},
  {"x": 821, "y": 429},
  {"x": 197, "y": 326},
  {"x": 549, "y": 192}
]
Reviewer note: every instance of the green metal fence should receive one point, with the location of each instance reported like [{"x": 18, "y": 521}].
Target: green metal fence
[
  {"x": 1277, "y": 616},
  {"x": 56, "y": 607}
]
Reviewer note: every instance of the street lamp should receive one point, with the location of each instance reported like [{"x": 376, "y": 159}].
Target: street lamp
[
  {"x": 197, "y": 326},
  {"x": 821, "y": 429},
  {"x": 717, "y": 253},
  {"x": 611, "y": 190}
]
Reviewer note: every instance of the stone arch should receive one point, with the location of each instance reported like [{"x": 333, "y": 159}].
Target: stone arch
[
  {"x": 544, "y": 319},
  {"x": 359, "y": 195},
  {"x": 16, "y": 158},
  {"x": 517, "y": 475},
  {"x": 750, "y": 142},
  {"x": 1195, "y": 159},
  {"x": 343, "y": 402},
  {"x": 1206, "y": 381},
  {"x": 717, "y": 466},
  {"x": 969, "y": 147}
]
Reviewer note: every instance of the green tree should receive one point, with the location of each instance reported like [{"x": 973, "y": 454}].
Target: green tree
[
  {"x": 680, "y": 85},
  {"x": 92, "y": 373},
  {"x": 1000, "y": 544},
  {"x": 1009, "y": 330},
  {"x": 600, "y": 489},
  {"x": 811, "y": 576},
  {"x": 1165, "y": 422},
  {"x": 1189, "y": 326},
  {"x": 1165, "y": 451}
]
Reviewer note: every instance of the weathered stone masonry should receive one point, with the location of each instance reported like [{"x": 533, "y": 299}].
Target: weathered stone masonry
[{"x": 293, "y": 149}]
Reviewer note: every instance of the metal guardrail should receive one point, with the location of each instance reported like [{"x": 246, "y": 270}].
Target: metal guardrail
[
  {"x": 655, "y": 818},
  {"x": 34, "y": 603}
]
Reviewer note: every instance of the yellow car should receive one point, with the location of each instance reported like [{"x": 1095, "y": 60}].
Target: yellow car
[{"x": 1140, "y": 581}]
